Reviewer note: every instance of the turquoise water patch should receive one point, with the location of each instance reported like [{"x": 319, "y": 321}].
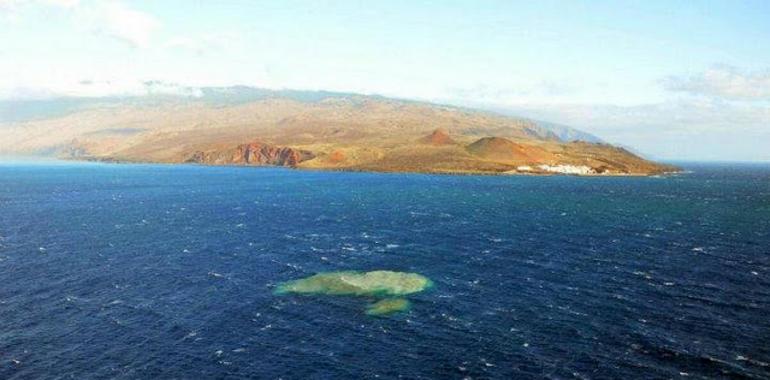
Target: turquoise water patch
[{"x": 381, "y": 283}]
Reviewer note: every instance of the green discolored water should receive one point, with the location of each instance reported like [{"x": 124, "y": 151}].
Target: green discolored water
[
  {"x": 381, "y": 283},
  {"x": 388, "y": 306},
  {"x": 352, "y": 283}
]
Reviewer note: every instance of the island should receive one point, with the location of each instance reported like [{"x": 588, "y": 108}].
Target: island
[{"x": 314, "y": 130}]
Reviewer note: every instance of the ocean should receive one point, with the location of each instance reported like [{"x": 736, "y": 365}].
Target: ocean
[{"x": 160, "y": 271}]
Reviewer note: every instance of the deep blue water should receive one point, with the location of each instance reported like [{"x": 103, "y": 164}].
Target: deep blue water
[{"x": 151, "y": 271}]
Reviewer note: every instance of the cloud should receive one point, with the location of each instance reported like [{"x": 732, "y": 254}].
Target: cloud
[
  {"x": 25, "y": 93},
  {"x": 205, "y": 43},
  {"x": 111, "y": 18},
  {"x": 117, "y": 20},
  {"x": 8, "y": 7},
  {"x": 694, "y": 128},
  {"x": 724, "y": 82},
  {"x": 94, "y": 88},
  {"x": 63, "y": 3},
  {"x": 9, "y": 10},
  {"x": 489, "y": 93},
  {"x": 691, "y": 115},
  {"x": 157, "y": 87}
]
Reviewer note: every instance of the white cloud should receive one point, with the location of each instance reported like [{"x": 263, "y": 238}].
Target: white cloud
[
  {"x": 99, "y": 88},
  {"x": 117, "y": 20},
  {"x": 723, "y": 82},
  {"x": 686, "y": 128},
  {"x": 63, "y": 3},
  {"x": 12, "y": 6},
  {"x": 205, "y": 43},
  {"x": 9, "y": 10},
  {"x": 693, "y": 115},
  {"x": 111, "y": 18},
  {"x": 525, "y": 91},
  {"x": 157, "y": 87},
  {"x": 6, "y": 5}
]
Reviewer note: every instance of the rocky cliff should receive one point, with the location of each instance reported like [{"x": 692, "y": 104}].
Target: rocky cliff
[{"x": 254, "y": 153}]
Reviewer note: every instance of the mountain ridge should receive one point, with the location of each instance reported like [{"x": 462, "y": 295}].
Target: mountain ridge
[{"x": 44, "y": 108}]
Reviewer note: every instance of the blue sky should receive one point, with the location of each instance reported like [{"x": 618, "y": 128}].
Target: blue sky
[{"x": 677, "y": 80}]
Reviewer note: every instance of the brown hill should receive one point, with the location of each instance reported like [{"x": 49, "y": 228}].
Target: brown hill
[
  {"x": 438, "y": 137},
  {"x": 504, "y": 150}
]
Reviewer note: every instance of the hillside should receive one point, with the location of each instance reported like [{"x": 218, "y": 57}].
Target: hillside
[{"x": 309, "y": 130}]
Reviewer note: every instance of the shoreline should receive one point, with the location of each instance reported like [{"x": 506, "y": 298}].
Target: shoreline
[{"x": 354, "y": 170}]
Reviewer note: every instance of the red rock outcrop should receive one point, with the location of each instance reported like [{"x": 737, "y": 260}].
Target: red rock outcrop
[
  {"x": 438, "y": 137},
  {"x": 336, "y": 157}
]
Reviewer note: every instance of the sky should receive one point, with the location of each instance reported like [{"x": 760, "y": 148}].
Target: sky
[{"x": 678, "y": 80}]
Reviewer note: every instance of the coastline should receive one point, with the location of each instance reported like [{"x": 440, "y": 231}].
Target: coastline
[{"x": 108, "y": 160}]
